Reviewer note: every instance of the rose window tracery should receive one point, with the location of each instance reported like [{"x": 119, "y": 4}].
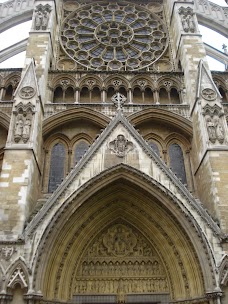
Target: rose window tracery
[{"x": 113, "y": 36}]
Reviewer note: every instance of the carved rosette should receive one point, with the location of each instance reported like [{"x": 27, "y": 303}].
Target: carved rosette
[
  {"x": 120, "y": 146},
  {"x": 27, "y": 92},
  {"x": 120, "y": 261},
  {"x": 209, "y": 94}
]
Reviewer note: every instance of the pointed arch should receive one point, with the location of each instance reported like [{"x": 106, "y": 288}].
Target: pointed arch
[
  {"x": 123, "y": 193},
  {"x": 18, "y": 274},
  {"x": 70, "y": 115}
]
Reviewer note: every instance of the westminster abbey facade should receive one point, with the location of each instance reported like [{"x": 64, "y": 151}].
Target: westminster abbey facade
[{"x": 114, "y": 155}]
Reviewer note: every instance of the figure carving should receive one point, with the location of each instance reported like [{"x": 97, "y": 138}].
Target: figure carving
[
  {"x": 18, "y": 128},
  {"x": 26, "y": 130},
  {"x": 211, "y": 130},
  {"x": 187, "y": 19},
  {"x": 22, "y": 127},
  {"x": 215, "y": 130},
  {"x": 220, "y": 134},
  {"x": 120, "y": 146},
  {"x": 42, "y": 15},
  {"x": 7, "y": 252}
]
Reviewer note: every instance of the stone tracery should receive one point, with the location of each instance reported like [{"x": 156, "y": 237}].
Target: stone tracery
[{"x": 114, "y": 37}]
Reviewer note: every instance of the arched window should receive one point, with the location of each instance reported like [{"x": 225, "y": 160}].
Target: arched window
[
  {"x": 110, "y": 93},
  {"x": 224, "y": 97},
  {"x": 177, "y": 162},
  {"x": 57, "y": 166},
  {"x": 137, "y": 95},
  {"x": 148, "y": 96},
  {"x": 58, "y": 95},
  {"x": 69, "y": 95},
  {"x": 80, "y": 149},
  {"x": 154, "y": 147},
  {"x": 84, "y": 95},
  {"x": 174, "y": 96},
  {"x": 96, "y": 95},
  {"x": 123, "y": 91},
  {"x": 163, "y": 96},
  {"x": 9, "y": 93}
]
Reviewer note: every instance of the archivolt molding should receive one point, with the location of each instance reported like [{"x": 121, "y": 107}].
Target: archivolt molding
[
  {"x": 162, "y": 116},
  {"x": 177, "y": 138},
  {"x": 147, "y": 185},
  {"x": 4, "y": 120},
  {"x": 70, "y": 115}
]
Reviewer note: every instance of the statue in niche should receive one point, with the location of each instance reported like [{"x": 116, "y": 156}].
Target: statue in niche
[
  {"x": 42, "y": 15},
  {"x": 220, "y": 134},
  {"x": 22, "y": 128},
  {"x": 26, "y": 130},
  {"x": 120, "y": 146},
  {"x": 187, "y": 19},
  {"x": 38, "y": 20},
  {"x": 211, "y": 129},
  {"x": 18, "y": 130},
  {"x": 215, "y": 130}
]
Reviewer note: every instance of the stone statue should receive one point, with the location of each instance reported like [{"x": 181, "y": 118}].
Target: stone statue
[
  {"x": 42, "y": 15},
  {"x": 38, "y": 20},
  {"x": 211, "y": 129},
  {"x": 26, "y": 130},
  {"x": 220, "y": 134},
  {"x": 18, "y": 130}
]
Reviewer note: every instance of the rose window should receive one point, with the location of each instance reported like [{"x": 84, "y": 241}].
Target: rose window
[{"x": 113, "y": 37}]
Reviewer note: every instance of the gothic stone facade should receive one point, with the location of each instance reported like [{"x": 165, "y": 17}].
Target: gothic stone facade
[{"x": 113, "y": 158}]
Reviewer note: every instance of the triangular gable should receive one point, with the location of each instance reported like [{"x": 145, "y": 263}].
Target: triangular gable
[
  {"x": 205, "y": 81},
  {"x": 28, "y": 83},
  {"x": 103, "y": 154}
]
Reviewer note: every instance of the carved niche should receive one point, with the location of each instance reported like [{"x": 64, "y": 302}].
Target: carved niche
[
  {"x": 42, "y": 14},
  {"x": 187, "y": 19},
  {"x": 214, "y": 123},
  {"x": 23, "y": 122},
  {"x": 120, "y": 261},
  {"x": 120, "y": 146}
]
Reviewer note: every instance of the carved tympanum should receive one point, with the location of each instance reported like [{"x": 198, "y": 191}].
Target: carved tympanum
[
  {"x": 120, "y": 146},
  {"x": 120, "y": 261}
]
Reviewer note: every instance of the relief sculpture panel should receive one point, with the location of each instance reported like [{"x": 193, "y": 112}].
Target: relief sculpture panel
[{"x": 121, "y": 261}]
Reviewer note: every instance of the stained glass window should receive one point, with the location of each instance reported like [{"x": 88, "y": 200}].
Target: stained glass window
[{"x": 57, "y": 165}]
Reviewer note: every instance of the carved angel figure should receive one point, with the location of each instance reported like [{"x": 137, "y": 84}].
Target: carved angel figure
[{"x": 120, "y": 146}]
